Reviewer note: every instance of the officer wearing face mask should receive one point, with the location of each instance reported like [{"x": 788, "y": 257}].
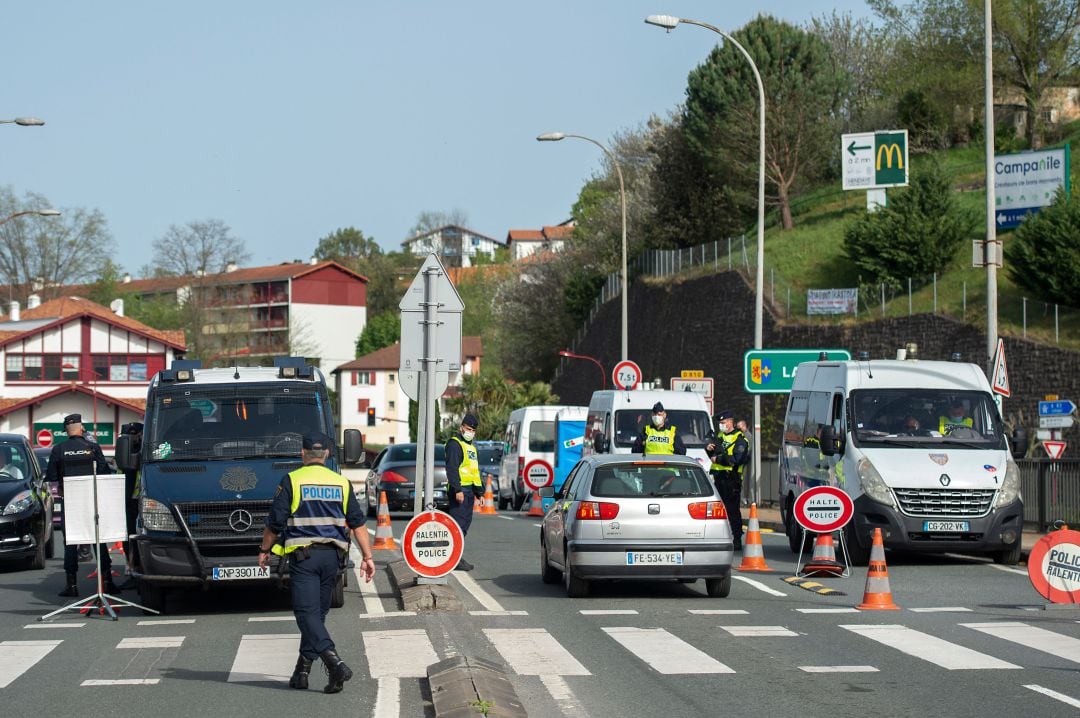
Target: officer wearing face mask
[
  {"x": 659, "y": 437},
  {"x": 463, "y": 477}
]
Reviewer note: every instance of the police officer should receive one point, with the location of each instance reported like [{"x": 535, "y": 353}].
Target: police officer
[
  {"x": 729, "y": 453},
  {"x": 463, "y": 477},
  {"x": 132, "y": 490},
  {"x": 313, "y": 512},
  {"x": 956, "y": 418},
  {"x": 658, "y": 437},
  {"x": 78, "y": 456}
]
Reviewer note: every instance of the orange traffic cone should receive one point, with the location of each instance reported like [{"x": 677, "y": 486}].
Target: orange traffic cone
[
  {"x": 877, "y": 596},
  {"x": 536, "y": 506},
  {"x": 488, "y": 508},
  {"x": 384, "y": 533},
  {"x": 824, "y": 559},
  {"x": 118, "y": 546},
  {"x": 477, "y": 505},
  {"x": 753, "y": 557}
]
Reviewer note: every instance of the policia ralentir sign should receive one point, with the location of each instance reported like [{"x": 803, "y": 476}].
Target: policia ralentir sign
[{"x": 874, "y": 160}]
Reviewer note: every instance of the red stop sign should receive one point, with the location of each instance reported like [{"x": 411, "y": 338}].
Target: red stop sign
[{"x": 44, "y": 437}]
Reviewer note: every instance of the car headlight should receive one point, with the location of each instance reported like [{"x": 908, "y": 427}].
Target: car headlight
[
  {"x": 872, "y": 483},
  {"x": 156, "y": 516},
  {"x": 22, "y": 501},
  {"x": 1010, "y": 487}
]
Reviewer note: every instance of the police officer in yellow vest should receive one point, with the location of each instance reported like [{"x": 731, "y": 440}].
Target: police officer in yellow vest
[
  {"x": 313, "y": 513},
  {"x": 463, "y": 477},
  {"x": 729, "y": 453},
  {"x": 659, "y": 437},
  {"x": 955, "y": 419}
]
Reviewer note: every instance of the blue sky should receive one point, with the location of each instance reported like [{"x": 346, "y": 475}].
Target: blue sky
[{"x": 289, "y": 120}]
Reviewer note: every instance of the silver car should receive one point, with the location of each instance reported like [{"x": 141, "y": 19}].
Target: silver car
[{"x": 624, "y": 516}]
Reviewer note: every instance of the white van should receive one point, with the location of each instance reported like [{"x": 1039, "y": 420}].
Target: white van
[
  {"x": 616, "y": 418},
  {"x": 530, "y": 435},
  {"x": 918, "y": 445}
]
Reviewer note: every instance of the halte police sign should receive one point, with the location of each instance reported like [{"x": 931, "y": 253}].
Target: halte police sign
[
  {"x": 432, "y": 544},
  {"x": 823, "y": 509}
]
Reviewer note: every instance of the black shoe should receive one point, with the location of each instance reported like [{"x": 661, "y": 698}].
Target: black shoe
[
  {"x": 463, "y": 565},
  {"x": 128, "y": 584},
  {"x": 738, "y": 545},
  {"x": 336, "y": 671},
  {"x": 72, "y": 588},
  {"x": 299, "y": 679},
  {"x": 112, "y": 588},
  {"x": 85, "y": 554}
]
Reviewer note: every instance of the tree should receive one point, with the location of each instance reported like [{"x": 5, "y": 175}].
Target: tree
[
  {"x": 916, "y": 235},
  {"x": 346, "y": 244},
  {"x": 429, "y": 221},
  {"x": 380, "y": 331},
  {"x": 802, "y": 99},
  {"x": 1043, "y": 256},
  {"x": 492, "y": 397},
  {"x": 40, "y": 253},
  {"x": 199, "y": 246}
]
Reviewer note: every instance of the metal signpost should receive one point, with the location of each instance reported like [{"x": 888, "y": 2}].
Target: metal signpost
[{"x": 824, "y": 509}]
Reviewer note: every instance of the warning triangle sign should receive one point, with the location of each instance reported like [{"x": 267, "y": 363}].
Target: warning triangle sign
[
  {"x": 1000, "y": 383},
  {"x": 1054, "y": 449}
]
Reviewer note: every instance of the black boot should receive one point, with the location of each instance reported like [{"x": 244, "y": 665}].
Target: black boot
[
  {"x": 336, "y": 671},
  {"x": 72, "y": 588},
  {"x": 299, "y": 679},
  {"x": 111, "y": 587}
]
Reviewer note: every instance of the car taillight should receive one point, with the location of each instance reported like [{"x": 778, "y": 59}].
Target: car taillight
[
  {"x": 707, "y": 510},
  {"x": 597, "y": 511},
  {"x": 393, "y": 477},
  {"x": 521, "y": 468}
]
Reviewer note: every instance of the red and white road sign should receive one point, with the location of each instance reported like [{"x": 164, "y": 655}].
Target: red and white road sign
[
  {"x": 823, "y": 509},
  {"x": 1054, "y": 449},
  {"x": 537, "y": 474},
  {"x": 432, "y": 544},
  {"x": 1054, "y": 566},
  {"x": 1000, "y": 382},
  {"x": 44, "y": 437},
  {"x": 626, "y": 375}
]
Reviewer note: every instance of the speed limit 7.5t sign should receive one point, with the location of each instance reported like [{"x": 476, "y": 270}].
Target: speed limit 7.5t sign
[
  {"x": 626, "y": 375},
  {"x": 823, "y": 509}
]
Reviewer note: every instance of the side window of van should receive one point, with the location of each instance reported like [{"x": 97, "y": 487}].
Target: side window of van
[
  {"x": 542, "y": 436},
  {"x": 512, "y": 436},
  {"x": 796, "y": 420},
  {"x": 837, "y": 413}
]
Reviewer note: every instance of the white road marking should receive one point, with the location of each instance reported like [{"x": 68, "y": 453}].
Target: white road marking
[
  {"x": 122, "y": 682},
  {"x": 508, "y": 518},
  {"x": 534, "y": 652},
  {"x": 827, "y": 610},
  {"x": 719, "y": 612},
  {"x": 759, "y": 631},
  {"x": 664, "y": 652},
  {"x": 268, "y": 657},
  {"x": 976, "y": 559},
  {"x": 399, "y": 654},
  {"x": 388, "y": 698},
  {"x": 758, "y": 585},
  {"x": 165, "y": 621},
  {"x": 1008, "y": 569},
  {"x": 1067, "y": 700},
  {"x": 498, "y": 613},
  {"x": 270, "y": 619},
  {"x": 540, "y": 525},
  {"x": 152, "y": 642},
  {"x": 54, "y": 625},
  {"x": 17, "y": 657},
  {"x": 927, "y": 647},
  {"x": 1040, "y": 639},
  {"x": 388, "y": 614},
  {"x": 941, "y": 609},
  {"x": 469, "y": 584},
  {"x": 608, "y": 612},
  {"x": 563, "y": 696},
  {"x": 372, "y": 603},
  {"x": 838, "y": 669}
]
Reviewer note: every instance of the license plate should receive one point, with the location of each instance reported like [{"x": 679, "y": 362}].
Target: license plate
[
  {"x": 946, "y": 526},
  {"x": 57, "y": 507},
  {"x": 240, "y": 573},
  {"x": 654, "y": 558}
]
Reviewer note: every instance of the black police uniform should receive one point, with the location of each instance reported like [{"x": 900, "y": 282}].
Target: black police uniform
[
  {"x": 78, "y": 456},
  {"x": 728, "y": 481}
]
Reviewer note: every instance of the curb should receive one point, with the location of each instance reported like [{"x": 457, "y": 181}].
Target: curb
[
  {"x": 414, "y": 596},
  {"x": 466, "y": 687}
]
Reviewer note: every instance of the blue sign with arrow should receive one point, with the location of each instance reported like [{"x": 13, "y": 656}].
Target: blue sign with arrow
[{"x": 1063, "y": 407}]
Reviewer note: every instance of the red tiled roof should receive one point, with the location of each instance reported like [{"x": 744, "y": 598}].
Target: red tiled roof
[
  {"x": 472, "y": 347},
  {"x": 9, "y": 405},
  {"x": 457, "y": 275},
  {"x": 538, "y": 257},
  {"x": 242, "y": 275},
  {"x": 390, "y": 357},
  {"x": 561, "y": 231},
  {"x": 67, "y": 307},
  {"x": 524, "y": 235}
]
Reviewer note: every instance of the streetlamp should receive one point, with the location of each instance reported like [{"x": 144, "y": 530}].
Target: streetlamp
[
  {"x": 991, "y": 246},
  {"x": 669, "y": 23},
  {"x": 603, "y": 374},
  {"x": 38, "y": 212},
  {"x": 24, "y": 122},
  {"x": 555, "y": 137}
]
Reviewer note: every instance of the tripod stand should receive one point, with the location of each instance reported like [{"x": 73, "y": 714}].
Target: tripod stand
[{"x": 104, "y": 602}]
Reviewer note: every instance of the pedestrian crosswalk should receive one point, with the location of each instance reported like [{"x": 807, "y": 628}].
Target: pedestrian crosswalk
[{"x": 698, "y": 645}]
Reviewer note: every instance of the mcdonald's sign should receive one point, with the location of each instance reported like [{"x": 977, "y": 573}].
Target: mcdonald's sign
[{"x": 873, "y": 160}]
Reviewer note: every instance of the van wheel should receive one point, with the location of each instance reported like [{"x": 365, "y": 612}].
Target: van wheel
[
  {"x": 337, "y": 597},
  {"x": 37, "y": 561},
  {"x": 1008, "y": 556},
  {"x": 859, "y": 555},
  {"x": 795, "y": 535},
  {"x": 547, "y": 573},
  {"x": 50, "y": 545},
  {"x": 152, "y": 596},
  {"x": 504, "y": 504},
  {"x": 575, "y": 587},
  {"x": 370, "y": 508},
  {"x": 519, "y": 501},
  {"x": 718, "y": 587}
]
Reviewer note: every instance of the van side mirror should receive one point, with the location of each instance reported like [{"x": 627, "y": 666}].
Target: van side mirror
[
  {"x": 600, "y": 443},
  {"x": 127, "y": 456},
  {"x": 547, "y": 492},
  {"x": 352, "y": 447},
  {"x": 829, "y": 445},
  {"x": 1019, "y": 443}
]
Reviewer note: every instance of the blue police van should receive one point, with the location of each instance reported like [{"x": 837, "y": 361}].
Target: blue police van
[{"x": 215, "y": 445}]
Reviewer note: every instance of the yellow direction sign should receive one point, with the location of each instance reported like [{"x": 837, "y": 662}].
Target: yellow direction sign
[{"x": 692, "y": 374}]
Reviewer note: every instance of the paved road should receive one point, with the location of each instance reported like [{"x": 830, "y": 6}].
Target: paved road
[{"x": 972, "y": 639}]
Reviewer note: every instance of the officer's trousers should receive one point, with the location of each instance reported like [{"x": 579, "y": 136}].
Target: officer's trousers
[
  {"x": 312, "y": 581},
  {"x": 729, "y": 484},
  {"x": 463, "y": 512}
]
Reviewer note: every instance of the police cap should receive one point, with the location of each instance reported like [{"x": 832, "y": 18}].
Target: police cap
[
  {"x": 316, "y": 441},
  {"x": 133, "y": 428},
  {"x": 72, "y": 419},
  {"x": 724, "y": 414},
  {"x": 470, "y": 421},
  {"x": 657, "y": 407}
]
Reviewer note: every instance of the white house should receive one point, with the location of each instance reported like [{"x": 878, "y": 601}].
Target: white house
[
  {"x": 526, "y": 242},
  {"x": 455, "y": 246}
]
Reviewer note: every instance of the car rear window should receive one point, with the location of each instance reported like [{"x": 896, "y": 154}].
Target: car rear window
[
  {"x": 649, "y": 481},
  {"x": 407, "y": 452},
  {"x": 542, "y": 436}
]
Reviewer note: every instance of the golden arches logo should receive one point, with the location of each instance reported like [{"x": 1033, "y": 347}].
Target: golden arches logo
[{"x": 888, "y": 150}]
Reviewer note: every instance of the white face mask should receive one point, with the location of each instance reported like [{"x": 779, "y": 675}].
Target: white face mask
[
  {"x": 468, "y": 434},
  {"x": 657, "y": 420}
]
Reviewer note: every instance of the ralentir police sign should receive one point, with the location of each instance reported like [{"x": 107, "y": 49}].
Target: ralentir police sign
[{"x": 873, "y": 160}]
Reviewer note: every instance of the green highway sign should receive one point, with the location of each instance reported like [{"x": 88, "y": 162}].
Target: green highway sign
[
  {"x": 874, "y": 160},
  {"x": 771, "y": 371}
]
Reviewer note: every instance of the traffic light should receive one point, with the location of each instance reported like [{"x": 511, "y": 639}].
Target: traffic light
[{"x": 371, "y": 416}]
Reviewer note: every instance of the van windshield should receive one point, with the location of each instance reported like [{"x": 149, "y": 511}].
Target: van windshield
[
  {"x": 234, "y": 421},
  {"x": 925, "y": 418},
  {"x": 693, "y": 426}
]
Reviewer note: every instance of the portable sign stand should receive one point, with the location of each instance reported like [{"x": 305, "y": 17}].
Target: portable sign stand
[
  {"x": 1054, "y": 568},
  {"x": 432, "y": 545},
  {"x": 538, "y": 474},
  {"x": 823, "y": 510}
]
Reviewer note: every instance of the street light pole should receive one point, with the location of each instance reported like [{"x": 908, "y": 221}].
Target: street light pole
[
  {"x": 555, "y": 137},
  {"x": 670, "y": 22},
  {"x": 24, "y": 122},
  {"x": 38, "y": 212},
  {"x": 990, "y": 249},
  {"x": 603, "y": 374}
]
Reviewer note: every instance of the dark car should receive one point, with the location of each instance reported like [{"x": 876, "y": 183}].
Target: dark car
[
  {"x": 26, "y": 506},
  {"x": 394, "y": 472},
  {"x": 489, "y": 456}
]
